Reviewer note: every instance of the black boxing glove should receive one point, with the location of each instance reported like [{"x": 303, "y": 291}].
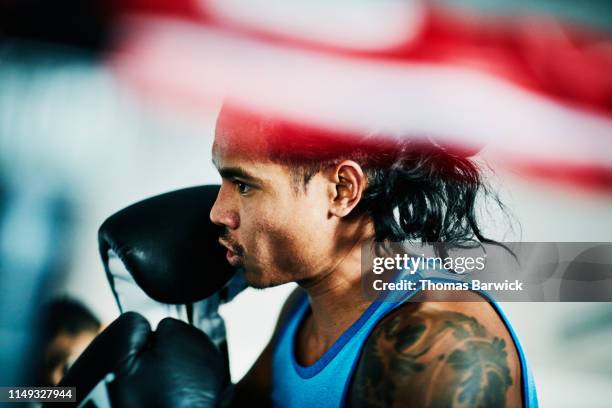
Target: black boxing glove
[
  {"x": 128, "y": 365},
  {"x": 163, "y": 259}
]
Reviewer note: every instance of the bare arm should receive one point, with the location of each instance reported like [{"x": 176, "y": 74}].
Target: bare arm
[
  {"x": 431, "y": 357},
  {"x": 255, "y": 388}
]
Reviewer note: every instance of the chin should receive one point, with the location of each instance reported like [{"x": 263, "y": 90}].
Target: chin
[{"x": 256, "y": 279}]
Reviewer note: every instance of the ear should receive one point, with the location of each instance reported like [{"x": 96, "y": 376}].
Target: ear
[{"x": 348, "y": 185}]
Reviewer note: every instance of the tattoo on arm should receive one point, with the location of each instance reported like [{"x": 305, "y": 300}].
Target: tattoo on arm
[{"x": 432, "y": 359}]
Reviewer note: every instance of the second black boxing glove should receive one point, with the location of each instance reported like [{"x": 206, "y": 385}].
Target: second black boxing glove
[{"x": 128, "y": 365}]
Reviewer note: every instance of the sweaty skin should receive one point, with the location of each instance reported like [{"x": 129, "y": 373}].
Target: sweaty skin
[{"x": 428, "y": 353}]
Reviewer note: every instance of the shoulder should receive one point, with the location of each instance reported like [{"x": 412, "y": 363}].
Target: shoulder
[{"x": 435, "y": 353}]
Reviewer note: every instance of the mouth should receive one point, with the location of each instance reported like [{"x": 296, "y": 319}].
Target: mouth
[{"x": 232, "y": 257}]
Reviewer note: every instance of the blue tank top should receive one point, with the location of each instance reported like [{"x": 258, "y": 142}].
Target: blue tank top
[{"x": 326, "y": 382}]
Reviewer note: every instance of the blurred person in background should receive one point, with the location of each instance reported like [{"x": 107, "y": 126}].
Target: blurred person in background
[{"x": 66, "y": 329}]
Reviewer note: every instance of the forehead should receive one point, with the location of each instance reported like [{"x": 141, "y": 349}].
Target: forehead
[
  {"x": 240, "y": 135},
  {"x": 245, "y": 135},
  {"x": 241, "y": 146}
]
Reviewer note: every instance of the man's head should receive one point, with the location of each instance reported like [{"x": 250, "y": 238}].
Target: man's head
[
  {"x": 67, "y": 329},
  {"x": 296, "y": 199},
  {"x": 284, "y": 220}
]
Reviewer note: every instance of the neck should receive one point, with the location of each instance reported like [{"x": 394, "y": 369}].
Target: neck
[{"x": 336, "y": 297}]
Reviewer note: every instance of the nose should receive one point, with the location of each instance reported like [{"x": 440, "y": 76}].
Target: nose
[{"x": 223, "y": 212}]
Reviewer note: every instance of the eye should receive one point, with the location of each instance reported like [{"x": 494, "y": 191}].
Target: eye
[{"x": 242, "y": 188}]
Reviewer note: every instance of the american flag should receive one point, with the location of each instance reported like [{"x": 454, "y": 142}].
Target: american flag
[{"x": 530, "y": 85}]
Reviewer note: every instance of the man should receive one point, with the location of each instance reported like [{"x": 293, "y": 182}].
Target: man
[
  {"x": 297, "y": 204},
  {"x": 67, "y": 329}
]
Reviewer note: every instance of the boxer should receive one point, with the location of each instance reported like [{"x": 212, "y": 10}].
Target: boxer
[{"x": 296, "y": 204}]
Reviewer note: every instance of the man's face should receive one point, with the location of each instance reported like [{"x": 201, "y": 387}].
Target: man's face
[
  {"x": 62, "y": 352},
  {"x": 277, "y": 230}
]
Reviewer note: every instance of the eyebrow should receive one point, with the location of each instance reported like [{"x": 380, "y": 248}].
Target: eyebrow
[{"x": 238, "y": 172}]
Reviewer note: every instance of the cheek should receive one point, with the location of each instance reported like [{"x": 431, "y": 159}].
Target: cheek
[
  {"x": 57, "y": 374},
  {"x": 272, "y": 239},
  {"x": 296, "y": 240},
  {"x": 285, "y": 236}
]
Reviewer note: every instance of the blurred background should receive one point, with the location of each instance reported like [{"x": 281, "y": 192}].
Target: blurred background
[{"x": 105, "y": 103}]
